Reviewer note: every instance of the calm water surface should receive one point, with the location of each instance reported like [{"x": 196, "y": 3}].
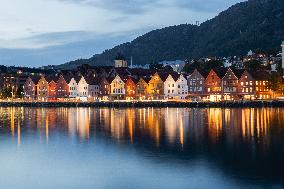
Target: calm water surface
[{"x": 141, "y": 148}]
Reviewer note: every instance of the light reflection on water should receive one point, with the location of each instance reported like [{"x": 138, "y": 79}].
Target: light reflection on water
[{"x": 138, "y": 148}]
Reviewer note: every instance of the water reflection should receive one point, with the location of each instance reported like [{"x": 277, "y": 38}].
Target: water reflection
[{"x": 249, "y": 141}]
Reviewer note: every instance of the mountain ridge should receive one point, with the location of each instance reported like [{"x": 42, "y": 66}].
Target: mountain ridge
[{"x": 251, "y": 25}]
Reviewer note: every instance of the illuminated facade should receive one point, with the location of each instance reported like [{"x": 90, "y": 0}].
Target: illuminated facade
[
  {"x": 117, "y": 88},
  {"x": 213, "y": 86},
  {"x": 246, "y": 86},
  {"x": 156, "y": 88}
]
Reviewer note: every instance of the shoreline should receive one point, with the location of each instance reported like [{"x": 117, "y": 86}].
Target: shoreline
[{"x": 152, "y": 104}]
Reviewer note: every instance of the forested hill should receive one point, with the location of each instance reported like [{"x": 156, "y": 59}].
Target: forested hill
[{"x": 252, "y": 25}]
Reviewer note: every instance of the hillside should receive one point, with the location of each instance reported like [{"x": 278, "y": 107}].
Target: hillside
[{"x": 253, "y": 25}]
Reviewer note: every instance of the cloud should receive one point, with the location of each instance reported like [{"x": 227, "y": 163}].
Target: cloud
[
  {"x": 42, "y": 25},
  {"x": 125, "y": 6}
]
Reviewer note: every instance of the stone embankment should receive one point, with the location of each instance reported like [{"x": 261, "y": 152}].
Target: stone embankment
[{"x": 155, "y": 104}]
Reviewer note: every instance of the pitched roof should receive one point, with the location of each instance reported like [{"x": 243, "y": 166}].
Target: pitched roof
[
  {"x": 92, "y": 80},
  {"x": 52, "y": 77},
  {"x": 221, "y": 72},
  {"x": 203, "y": 73},
  {"x": 238, "y": 72},
  {"x": 163, "y": 75}
]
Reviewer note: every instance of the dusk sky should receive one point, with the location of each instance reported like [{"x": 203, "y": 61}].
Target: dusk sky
[{"x": 44, "y": 32}]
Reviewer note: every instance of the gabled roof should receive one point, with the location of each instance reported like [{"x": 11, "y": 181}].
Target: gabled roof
[
  {"x": 221, "y": 72},
  {"x": 203, "y": 73},
  {"x": 50, "y": 78},
  {"x": 131, "y": 78},
  {"x": 238, "y": 72},
  {"x": 68, "y": 78},
  {"x": 92, "y": 80},
  {"x": 110, "y": 79},
  {"x": 163, "y": 75}
]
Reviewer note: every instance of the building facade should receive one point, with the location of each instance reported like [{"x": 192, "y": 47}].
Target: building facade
[
  {"x": 213, "y": 86},
  {"x": 117, "y": 88},
  {"x": 196, "y": 85},
  {"x": 230, "y": 85}
]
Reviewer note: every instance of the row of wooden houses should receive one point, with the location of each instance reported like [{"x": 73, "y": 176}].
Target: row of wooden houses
[{"x": 139, "y": 84}]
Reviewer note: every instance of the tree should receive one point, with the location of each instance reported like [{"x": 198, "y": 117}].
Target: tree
[
  {"x": 212, "y": 64},
  {"x": 6, "y": 92},
  {"x": 253, "y": 65},
  {"x": 191, "y": 66},
  {"x": 276, "y": 82},
  {"x": 20, "y": 92},
  {"x": 155, "y": 66}
]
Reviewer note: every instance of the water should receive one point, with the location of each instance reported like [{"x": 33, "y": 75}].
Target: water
[{"x": 141, "y": 148}]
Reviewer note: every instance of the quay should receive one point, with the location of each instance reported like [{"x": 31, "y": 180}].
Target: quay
[{"x": 148, "y": 104}]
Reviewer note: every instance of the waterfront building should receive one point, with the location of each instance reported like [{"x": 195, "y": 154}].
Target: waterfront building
[
  {"x": 230, "y": 85},
  {"x": 213, "y": 85},
  {"x": 30, "y": 89},
  {"x": 42, "y": 89},
  {"x": 104, "y": 88},
  {"x": 142, "y": 89},
  {"x": 73, "y": 85},
  {"x": 51, "y": 86},
  {"x": 182, "y": 87},
  {"x": 262, "y": 84},
  {"x": 246, "y": 86},
  {"x": 156, "y": 86},
  {"x": 130, "y": 88},
  {"x": 117, "y": 88},
  {"x": 62, "y": 88},
  {"x": 196, "y": 85},
  {"x": 93, "y": 88},
  {"x": 170, "y": 91},
  {"x": 82, "y": 89}
]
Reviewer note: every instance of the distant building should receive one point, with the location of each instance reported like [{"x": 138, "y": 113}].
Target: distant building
[
  {"x": 120, "y": 61},
  {"x": 177, "y": 65}
]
